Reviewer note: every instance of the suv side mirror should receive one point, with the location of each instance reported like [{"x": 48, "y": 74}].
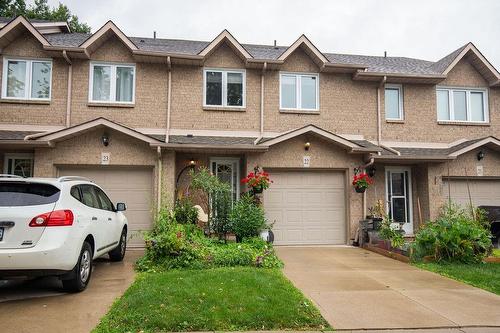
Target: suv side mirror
[{"x": 120, "y": 207}]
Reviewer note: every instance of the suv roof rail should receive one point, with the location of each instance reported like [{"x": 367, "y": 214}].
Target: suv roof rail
[
  {"x": 6, "y": 175},
  {"x": 70, "y": 178}
]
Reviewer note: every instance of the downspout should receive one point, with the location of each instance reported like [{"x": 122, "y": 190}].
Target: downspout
[
  {"x": 159, "y": 181},
  {"x": 169, "y": 96},
  {"x": 68, "y": 98},
  {"x": 379, "y": 112},
  {"x": 262, "y": 81}
]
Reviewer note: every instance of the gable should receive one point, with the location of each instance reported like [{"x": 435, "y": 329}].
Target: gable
[
  {"x": 465, "y": 74},
  {"x": 25, "y": 45},
  {"x": 299, "y": 61},
  {"x": 102, "y": 35},
  {"x": 113, "y": 50},
  {"x": 224, "y": 56},
  {"x": 226, "y": 37},
  {"x": 17, "y": 28}
]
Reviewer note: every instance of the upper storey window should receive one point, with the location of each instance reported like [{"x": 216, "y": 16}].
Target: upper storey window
[
  {"x": 224, "y": 88},
  {"x": 299, "y": 91},
  {"x": 112, "y": 83},
  {"x": 26, "y": 79},
  {"x": 462, "y": 105},
  {"x": 393, "y": 102}
]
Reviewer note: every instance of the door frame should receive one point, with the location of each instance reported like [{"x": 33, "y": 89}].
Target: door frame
[
  {"x": 222, "y": 160},
  {"x": 409, "y": 201}
]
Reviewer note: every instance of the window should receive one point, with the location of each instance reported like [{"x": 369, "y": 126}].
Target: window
[
  {"x": 26, "y": 79},
  {"x": 462, "y": 105},
  {"x": 224, "y": 88},
  {"x": 27, "y": 194},
  {"x": 19, "y": 165},
  {"x": 75, "y": 193},
  {"x": 112, "y": 83},
  {"x": 106, "y": 204},
  {"x": 393, "y": 102},
  {"x": 227, "y": 170},
  {"x": 89, "y": 197},
  {"x": 299, "y": 91}
]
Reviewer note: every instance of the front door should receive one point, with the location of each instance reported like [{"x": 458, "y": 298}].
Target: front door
[
  {"x": 398, "y": 189},
  {"x": 228, "y": 170}
]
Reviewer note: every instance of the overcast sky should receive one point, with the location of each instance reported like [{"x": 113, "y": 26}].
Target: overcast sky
[{"x": 425, "y": 29}]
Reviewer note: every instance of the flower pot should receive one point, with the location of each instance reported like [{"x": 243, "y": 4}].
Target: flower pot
[
  {"x": 267, "y": 235},
  {"x": 257, "y": 190},
  {"x": 360, "y": 189}
]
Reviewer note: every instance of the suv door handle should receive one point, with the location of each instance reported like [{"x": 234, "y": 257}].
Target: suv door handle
[
  {"x": 94, "y": 218},
  {"x": 110, "y": 219}
]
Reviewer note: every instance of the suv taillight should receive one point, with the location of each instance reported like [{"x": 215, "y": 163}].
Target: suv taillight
[{"x": 56, "y": 218}]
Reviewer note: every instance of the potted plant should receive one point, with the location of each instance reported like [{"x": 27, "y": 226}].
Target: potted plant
[
  {"x": 377, "y": 213},
  {"x": 361, "y": 181},
  {"x": 257, "y": 181}
]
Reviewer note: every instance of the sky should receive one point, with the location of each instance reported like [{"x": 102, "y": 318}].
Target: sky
[{"x": 423, "y": 29}]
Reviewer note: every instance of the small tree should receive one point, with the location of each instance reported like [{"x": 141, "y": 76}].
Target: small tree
[{"x": 217, "y": 200}]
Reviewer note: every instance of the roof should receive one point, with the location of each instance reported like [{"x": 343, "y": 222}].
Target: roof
[
  {"x": 211, "y": 140},
  {"x": 15, "y": 135},
  {"x": 365, "y": 67},
  {"x": 429, "y": 153}
]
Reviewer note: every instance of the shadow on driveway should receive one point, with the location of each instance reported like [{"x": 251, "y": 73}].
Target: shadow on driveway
[{"x": 40, "y": 305}]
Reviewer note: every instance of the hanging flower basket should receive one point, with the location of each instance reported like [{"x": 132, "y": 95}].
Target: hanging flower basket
[
  {"x": 361, "y": 181},
  {"x": 257, "y": 181}
]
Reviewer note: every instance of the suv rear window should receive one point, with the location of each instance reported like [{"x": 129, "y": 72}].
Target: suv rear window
[{"x": 27, "y": 194}]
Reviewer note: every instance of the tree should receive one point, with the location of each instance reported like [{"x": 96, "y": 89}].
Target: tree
[{"x": 42, "y": 11}]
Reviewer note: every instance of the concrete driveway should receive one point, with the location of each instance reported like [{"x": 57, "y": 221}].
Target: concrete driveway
[
  {"x": 358, "y": 289},
  {"x": 40, "y": 306}
]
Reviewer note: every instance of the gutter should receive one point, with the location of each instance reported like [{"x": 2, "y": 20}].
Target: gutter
[
  {"x": 169, "y": 97},
  {"x": 262, "y": 82},
  {"x": 379, "y": 111},
  {"x": 183, "y": 146},
  {"x": 70, "y": 83}
]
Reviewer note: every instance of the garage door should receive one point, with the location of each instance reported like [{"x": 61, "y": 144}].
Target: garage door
[
  {"x": 132, "y": 186},
  {"x": 307, "y": 207},
  {"x": 483, "y": 192}
]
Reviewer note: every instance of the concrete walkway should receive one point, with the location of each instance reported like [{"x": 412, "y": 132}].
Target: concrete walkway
[
  {"x": 358, "y": 289},
  {"x": 40, "y": 306}
]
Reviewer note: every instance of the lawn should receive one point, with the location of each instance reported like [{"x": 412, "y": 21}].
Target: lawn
[
  {"x": 223, "y": 299},
  {"x": 484, "y": 275}
]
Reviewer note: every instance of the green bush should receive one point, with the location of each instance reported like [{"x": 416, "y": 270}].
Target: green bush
[
  {"x": 173, "y": 245},
  {"x": 458, "y": 234},
  {"x": 185, "y": 212},
  {"x": 247, "y": 218},
  {"x": 387, "y": 232}
]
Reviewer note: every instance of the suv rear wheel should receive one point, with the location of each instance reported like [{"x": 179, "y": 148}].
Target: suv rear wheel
[
  {"x": 82, "y": 271},
  {"x": 118, "y": 253}
]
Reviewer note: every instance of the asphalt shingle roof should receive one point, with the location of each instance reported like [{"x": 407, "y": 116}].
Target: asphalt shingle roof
[
  {"x": 14, "y": 135},
  {"x": 211, "y": 140},
  {"x": 426, "y": 152}
]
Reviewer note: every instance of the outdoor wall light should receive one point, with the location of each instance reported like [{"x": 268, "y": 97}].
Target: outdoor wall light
[
  {"x": 307, "y": 145},
  {"x": 105, "y": 140},
  {"x": 371, "y": 171},
  {"x": 480, "y": 155},
  {"x": 192, "y": 163}
]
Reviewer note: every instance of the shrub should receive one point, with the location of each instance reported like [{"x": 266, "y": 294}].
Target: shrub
[
  {"x": 173, "y": 245},
  {"x": 185, "y": 212},
  {"x": 387, "y": 232},
  {"x": 247, "y": 218},
  {"x": 457, "y": 235}
]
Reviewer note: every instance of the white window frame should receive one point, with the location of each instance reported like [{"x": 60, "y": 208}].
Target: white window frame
[
  {"x": 112, "y": 97},
  {"x": 451, "y": 106},
  {"x": 28, "y": 77},
  {"x": 16, "y": 156},
  {"x": 224, "y": 87},
  {"x": 298, "y": 92},
  {"x": 398, "y": 87}
]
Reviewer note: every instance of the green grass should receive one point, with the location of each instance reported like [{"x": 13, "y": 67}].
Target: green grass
[
  {"x": 485, "y": 275},
  {"x": 496, "y": 253},
  {"x": 214, "y": 299}
]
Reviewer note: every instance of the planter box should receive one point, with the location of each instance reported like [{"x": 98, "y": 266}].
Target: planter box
[{"x": 387, "y": 253}]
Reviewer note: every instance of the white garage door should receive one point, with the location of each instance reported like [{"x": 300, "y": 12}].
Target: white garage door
[
  {"x": 483, "y": 192},
  {"x": 132, "y": 186},
  {"x": 307, "y": 207}
]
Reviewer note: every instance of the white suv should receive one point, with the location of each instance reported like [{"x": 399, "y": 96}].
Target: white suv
[{"x": 57, "y": 226}]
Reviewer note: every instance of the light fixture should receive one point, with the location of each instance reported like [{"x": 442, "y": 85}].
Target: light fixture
[
  {"x": 307, "y": 145},
  {"x": 371, "y": 171},
  {"x": 480, "y": 155},
  {"x": 192, "y": 163},
  {"x": 105, "y": 140}
]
